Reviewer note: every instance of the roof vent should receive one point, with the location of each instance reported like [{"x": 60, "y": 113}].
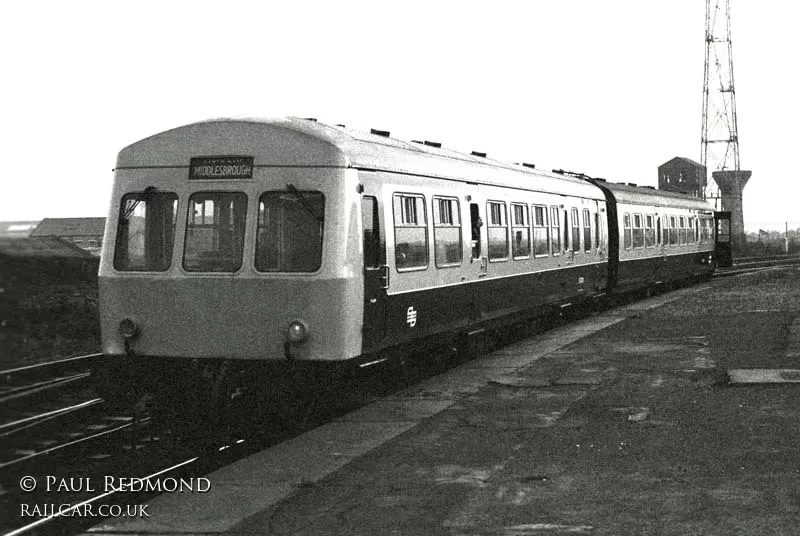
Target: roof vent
[
  {"x": 433, "y": 144},
  {"x": 559, "y": 171},
  {"x": 341, "y": 125},
  {"x": 314, "y": 119},
  {"x": 384, "y": 133},
  {"x": 476, "y": 153},
  {"x": 417, "y": 141},
  {"x": 599, "y": 179},
  {"x": 633, "y": 184},
  {"x": 527, "y": 165},
  {"x": 649, "y": 187}
]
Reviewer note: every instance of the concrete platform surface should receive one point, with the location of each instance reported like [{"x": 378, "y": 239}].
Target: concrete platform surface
[{"x": 624, "y": 423}]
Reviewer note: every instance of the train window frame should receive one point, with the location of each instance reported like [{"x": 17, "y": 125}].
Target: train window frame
[
  {"x": 194, "y": 261},
  {"x": 659, "y": 237},
  {"x": 538, "y": 227},
  {"x": 493, "y": 216},
  {"x": 555, "y": 230},
  {"x": 587, "y": 230},
  {"x": 284, "y": 248},
  {"x": 638, "y": 231},
  {"x": 649, "y": 231},
  {"x": 453, "y": 214},
  {"x": 139, "y": 200},
  {"x": 673, "y": 231},
  {"x": 371, "y": 242},
  {"x": 597, "y": 232},
  {"x": 627, "y": 231},
  {"x": 681, "y": 230},
  {"x": 405, "y": 216},
  {"x": 575, "y": 230},
  {"x": 520, "y": 209},
  {"x": 690, "y": 230}
]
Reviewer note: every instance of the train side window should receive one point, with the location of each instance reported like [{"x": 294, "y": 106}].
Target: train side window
[
  {"x": 649, "y": 231},
  {"x": 638, "y": 232},
  {"x": 541, "y": 232},
  {"x": 673, "y": 231},
  {"x": 659, "y": 238},
  {"x": 410, "y": 232},
  {"x": 681, "y": 230},
  {"x": 587, "y": 231},
  {"x": 497, "y": 231},
  {"x": 628, "y": 235},
  {"x": 372, "y": 232},
  {"x": 555, "y": 222},
  {"x": 475, "y": 226},
  {"x": 597, "y": 231},
  {"x": 567, "y": 244},
  {"x": 520, "y": 231},
  {"x": 446, "y": 232},
  {"x": 146, "y": 232},
  {"x": 576, "y": 231},
  {"x": 690, "y": 230}
]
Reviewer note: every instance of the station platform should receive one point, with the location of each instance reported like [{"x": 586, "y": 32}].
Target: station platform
[{"x": 678, "y": 414}]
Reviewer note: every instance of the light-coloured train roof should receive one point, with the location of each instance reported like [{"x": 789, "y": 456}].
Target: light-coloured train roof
[
  {"x": 640, "y": 195},
  {"x": 304, "y": 142}
]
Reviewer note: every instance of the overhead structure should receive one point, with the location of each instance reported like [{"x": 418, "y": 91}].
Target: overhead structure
[{"x": 720, "y": 135}]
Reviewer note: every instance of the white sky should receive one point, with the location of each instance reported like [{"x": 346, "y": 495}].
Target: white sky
[{"x": 610, "y": 88}]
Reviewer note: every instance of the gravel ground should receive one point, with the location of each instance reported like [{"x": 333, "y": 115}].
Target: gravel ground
[{"x": 631, "y": 430}]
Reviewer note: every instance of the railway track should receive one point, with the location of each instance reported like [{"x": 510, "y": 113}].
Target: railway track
[{"x": 44, "y": 377}]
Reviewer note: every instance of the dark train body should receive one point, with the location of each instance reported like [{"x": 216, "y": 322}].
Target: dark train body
[{"x": 232, "y": 245}]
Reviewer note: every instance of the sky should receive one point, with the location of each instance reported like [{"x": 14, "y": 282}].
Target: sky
[{"x": 612, "y": 89}]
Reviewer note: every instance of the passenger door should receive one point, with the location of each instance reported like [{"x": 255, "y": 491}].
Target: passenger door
[
  {"x": 376, "y": 272},
  {"x": 479, "y": 256}
]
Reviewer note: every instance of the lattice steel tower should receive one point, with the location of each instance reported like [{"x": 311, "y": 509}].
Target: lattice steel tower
[{"x": 720, "y": 135}]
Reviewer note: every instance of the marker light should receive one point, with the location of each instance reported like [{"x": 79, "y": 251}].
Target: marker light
[
  {"x": 128, "y": 329},
  {"x": 297, "y": 332}
]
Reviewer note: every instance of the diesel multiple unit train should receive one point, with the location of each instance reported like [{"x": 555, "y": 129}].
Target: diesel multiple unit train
[{"x": 235, "y": 245}]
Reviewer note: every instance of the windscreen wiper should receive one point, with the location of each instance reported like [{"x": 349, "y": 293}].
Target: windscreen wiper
[
  {"x": 144, "y": 197},
  {"x": 294, "y": 191}
]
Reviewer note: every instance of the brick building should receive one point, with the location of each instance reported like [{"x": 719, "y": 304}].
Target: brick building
[{"x": 682, "y": 175}]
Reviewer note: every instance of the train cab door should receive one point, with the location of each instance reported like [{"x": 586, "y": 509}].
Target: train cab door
[
  {"x": 479, "y": 257},
  {"x": 722, "y": 239},
  {"x": 376, "y": 273}
]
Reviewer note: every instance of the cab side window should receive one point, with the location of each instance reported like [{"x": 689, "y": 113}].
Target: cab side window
[{"x": 372, "y": 234}]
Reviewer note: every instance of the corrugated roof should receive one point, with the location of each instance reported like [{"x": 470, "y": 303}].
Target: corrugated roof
[
  {"x": 48, "y": 246},
  {"x": 17, "y": 229},
  {"x": 70, "y": 227}
]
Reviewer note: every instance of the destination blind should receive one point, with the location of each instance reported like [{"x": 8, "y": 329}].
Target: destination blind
[{"x": 221, "y": 167}]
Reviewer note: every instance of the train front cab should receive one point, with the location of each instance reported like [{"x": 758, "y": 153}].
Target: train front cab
[{"x": 723, "y": 243}]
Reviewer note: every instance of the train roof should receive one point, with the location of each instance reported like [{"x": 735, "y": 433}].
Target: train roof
[
  {"x": 306, "y": 142},
  {"x": 642, "y": 195}
]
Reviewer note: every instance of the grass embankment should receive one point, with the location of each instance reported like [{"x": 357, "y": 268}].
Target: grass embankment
[{"x": 48, "y": 309}]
